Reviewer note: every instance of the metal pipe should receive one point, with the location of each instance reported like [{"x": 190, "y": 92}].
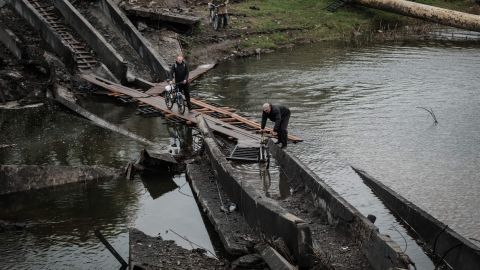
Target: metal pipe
[{"x": 99, "y": 235}]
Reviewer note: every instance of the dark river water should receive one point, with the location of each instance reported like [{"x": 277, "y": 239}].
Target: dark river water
[
  {"x": 352, "y": 106},
  {"x": 61, "y": 221},
  {"x": 358, "y": 106}
]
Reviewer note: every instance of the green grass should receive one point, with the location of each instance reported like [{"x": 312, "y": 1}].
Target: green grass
[{"x": 274, "y": 17}]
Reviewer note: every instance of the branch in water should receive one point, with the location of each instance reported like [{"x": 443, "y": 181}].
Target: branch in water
[{"x": 431, "y": 113}]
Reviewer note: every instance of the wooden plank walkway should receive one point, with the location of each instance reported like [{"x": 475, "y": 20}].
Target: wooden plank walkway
[
  {"x": 220, "y": 119},
  {"x": 160, "y": 87}
]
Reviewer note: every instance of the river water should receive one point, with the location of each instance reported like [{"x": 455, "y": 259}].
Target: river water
[
  {"x": 359, "y": 106},
  {"x": 352, "y": 106},
  {"x": 61, "y": 221}
]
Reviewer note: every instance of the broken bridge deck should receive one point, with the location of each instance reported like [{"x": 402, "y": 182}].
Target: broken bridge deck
[{"x": 223, "y": 120}]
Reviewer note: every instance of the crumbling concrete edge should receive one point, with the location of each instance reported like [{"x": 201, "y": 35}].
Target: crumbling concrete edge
[
  {"x": 12, "y": 42},
  {"x": 381, "y": 251},
  {"x": 144, "y": 49},
  {"x": 97, "y": 42},
  {"x": 259, "y": 211},
  {"x": 17, "y": 178},
  {"x": 275, "y": 260},
  {"x": 25, "y": 10},
  {"x": 439, "y": 238},
  {"x": 230, "y": 248}
]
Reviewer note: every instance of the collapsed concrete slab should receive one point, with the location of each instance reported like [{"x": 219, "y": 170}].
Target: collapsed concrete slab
[
  {"x": 259, "y": 211},
  {"x": 144, "y": 49},
  {"x": 457, "y": 251},
  {"x": 15, "y": 178},
  {"x": 66, "y": 98},
  {"x": 151, "y": 163},
  {"x": 275, "y": 260},
  {"x": 97, "y": 42},
  {"x": 237, "y": 237},
  {"x": 48, "y": 34},
  {"x": 381, "y": 251}
]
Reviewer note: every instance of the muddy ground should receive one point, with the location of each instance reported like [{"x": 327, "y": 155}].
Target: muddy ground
[
  {"x": 201, "y": 44},
  {"x": 148, "y": 252}
]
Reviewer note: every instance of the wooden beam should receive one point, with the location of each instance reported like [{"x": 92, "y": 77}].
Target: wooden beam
[{"x": 425, "y": 12}]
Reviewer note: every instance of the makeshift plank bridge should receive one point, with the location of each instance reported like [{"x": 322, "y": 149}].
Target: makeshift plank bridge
[{"x": 222, "y": 120}]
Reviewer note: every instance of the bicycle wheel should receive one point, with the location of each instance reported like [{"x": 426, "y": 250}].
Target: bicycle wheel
[
  {"x": 211, "y": 16},
  {"x": 169, "y": 99},
  {"x": 181, "y": 107},
  {"x": 216, "y": 22}
]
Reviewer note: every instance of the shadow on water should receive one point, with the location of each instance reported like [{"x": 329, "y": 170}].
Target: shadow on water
[{"x": 158, "y": 185}]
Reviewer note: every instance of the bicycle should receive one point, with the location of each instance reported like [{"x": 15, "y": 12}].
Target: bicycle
[
  {"x": 264, "y": 154},
  {"x": 215, "y": 19},
  {"x": 173, "y": 95}
]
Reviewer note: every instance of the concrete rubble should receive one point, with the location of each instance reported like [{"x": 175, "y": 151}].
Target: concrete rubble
[
  {"x": 15, "y": 178},
  {"x": 148, "y": 252}
]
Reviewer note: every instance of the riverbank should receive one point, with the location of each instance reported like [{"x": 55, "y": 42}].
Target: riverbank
[{"x": 263, "y": 26}]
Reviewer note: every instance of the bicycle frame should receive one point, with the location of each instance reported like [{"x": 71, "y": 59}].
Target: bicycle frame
[
  {"x": 264, "y": 155},
  {"x": 178, "y": 97}
]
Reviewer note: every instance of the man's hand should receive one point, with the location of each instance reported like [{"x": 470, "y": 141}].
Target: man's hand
[{"x": 184, "y": 82}]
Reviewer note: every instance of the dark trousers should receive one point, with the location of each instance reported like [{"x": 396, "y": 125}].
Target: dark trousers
[
  {"x": 223, "y": 20},
  {"x": 283, "y": 132},
  {"x": 186, "y": 92}
]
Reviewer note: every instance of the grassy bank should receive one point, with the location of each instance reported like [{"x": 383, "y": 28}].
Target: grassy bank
[{"x": 273, "y": 23}]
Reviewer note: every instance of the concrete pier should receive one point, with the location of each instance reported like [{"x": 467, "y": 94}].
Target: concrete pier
[
  {"x": 457, "y": 251},
  {"x": 236, "y": 235},
  {"x": 15, "y": 178},
  {"x": 260, "y": 212},
  {"x": 381, "y": 251}
]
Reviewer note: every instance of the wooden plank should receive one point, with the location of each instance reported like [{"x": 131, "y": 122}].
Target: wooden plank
[
  {"x": 246, "y": 121},
  {"x": 158, "y": 102},
  {"x": 195, "y": 74},
  {"x": 243, "y": 136}
]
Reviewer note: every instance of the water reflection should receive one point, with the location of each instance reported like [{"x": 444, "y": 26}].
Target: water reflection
[
  {"x": 61, "y": 220},
  {"x": 158, "y": 185}
]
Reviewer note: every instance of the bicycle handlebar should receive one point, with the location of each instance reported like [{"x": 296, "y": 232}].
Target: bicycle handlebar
[
  {"x": 174, "y": 83},
  {"x": 217, "y": 6}
]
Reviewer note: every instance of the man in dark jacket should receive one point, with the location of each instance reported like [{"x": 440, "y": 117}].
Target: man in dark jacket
[
  {"x": 179, "y": 70},
  {"x": 280, "y": 115}
]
